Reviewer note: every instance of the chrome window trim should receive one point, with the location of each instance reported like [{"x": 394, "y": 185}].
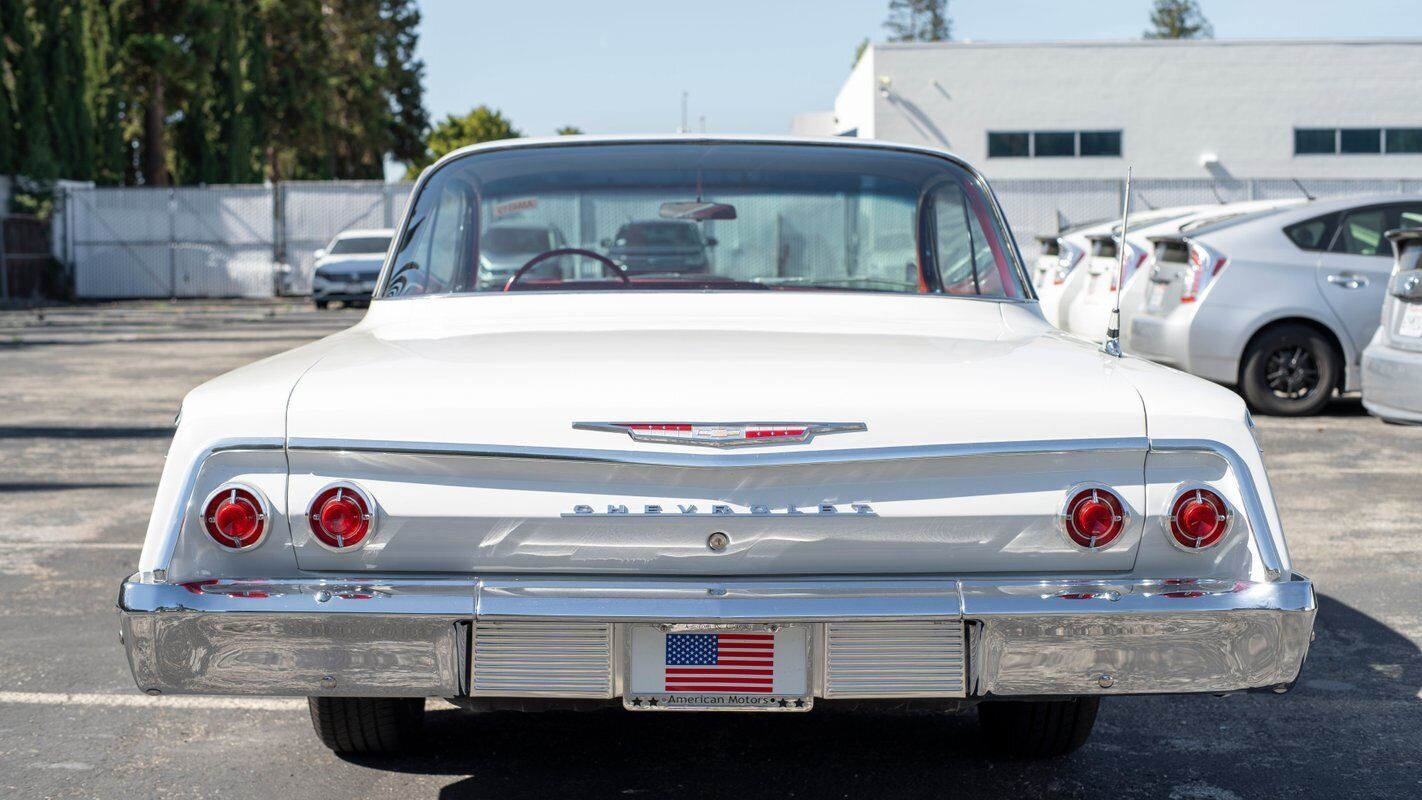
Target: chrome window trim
[{"x": 1029, "y": 294}]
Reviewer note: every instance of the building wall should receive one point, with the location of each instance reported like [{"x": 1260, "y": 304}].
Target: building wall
[{"x": 1174, "y": 101}]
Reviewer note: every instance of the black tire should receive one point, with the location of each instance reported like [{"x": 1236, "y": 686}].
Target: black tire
[
  {"x": 322, "y": 304},
  {"x": 367, "y": 724},
  {"x": 1290, "y": 371},
  {"x": 1038, "y": 728}
]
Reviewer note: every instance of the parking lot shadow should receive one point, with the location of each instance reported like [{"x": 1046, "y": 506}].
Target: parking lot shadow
[{"x": 1348, "y": 729}]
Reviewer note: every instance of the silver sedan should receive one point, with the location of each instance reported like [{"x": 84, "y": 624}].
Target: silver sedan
[
  {"x": 1392, "y": 364},
  {"x": 1279, "y": 304}
]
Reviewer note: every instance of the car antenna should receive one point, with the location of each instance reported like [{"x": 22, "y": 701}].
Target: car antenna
[
  {"x": 1112, "y": 345},
  {"x": 1305, "y": 191}
]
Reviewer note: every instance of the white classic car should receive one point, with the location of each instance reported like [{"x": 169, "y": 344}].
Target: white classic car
[{"x": 796, "y": 481}]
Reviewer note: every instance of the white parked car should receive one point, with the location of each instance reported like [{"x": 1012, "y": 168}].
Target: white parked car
[
  {"x": 1392, "y": 362},
  {"x": 1056, "y": 279},
  {"x": 1278, "y": 303},
  {"x": 1088, "y": 312},
  {"x": 346, "y": 268},
  {"x": 712, "y": 491}
]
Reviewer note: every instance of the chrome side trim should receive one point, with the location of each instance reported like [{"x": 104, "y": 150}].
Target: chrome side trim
[
  {"x": 696, "y": 600},
  {"x": 183, "y": 505},
  {"x": 1253, "y": 504},
  {"x": 723, "y": 429},
  {"x": 738, "y": 460}
]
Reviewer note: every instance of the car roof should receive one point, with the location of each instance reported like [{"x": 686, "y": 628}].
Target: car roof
[
  {"x": 365, "y": 232},
  {"x": 1313, "y": 208}
]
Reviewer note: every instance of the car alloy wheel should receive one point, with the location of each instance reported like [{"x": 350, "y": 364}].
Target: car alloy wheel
[{"x": 1291, "y": 373}]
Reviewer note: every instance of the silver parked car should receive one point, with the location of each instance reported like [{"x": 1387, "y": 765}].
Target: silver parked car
[
  {"x": 1279, "y": 304},
  {"x": 1392, "y": 363}
]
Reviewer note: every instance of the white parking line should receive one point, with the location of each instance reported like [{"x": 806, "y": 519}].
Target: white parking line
[
  {"x": 116, "y": 699},
  {"x": 71, "y": 545}
]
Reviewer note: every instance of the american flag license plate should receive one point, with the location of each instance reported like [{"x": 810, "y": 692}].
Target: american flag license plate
[{"x": 718, "y": 668}]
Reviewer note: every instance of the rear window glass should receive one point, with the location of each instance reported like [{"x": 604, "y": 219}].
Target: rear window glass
[
  {"x": 360, "y": 244},
  {"x": 1171, "y": 252},
  {"x": 517, "y": 240},
  {"x": 1103, "y": 248},
  {"x": 1312, "y": 234}
]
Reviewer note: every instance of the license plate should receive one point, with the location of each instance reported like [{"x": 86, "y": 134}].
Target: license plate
[
  {"x": 1411, "y": 323},
  {"x": 736, "y": 667},
  {"x": 1156, "y": 298}
]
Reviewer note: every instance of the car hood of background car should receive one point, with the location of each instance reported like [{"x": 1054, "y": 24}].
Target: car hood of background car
[{"x": 518, "y": 370}]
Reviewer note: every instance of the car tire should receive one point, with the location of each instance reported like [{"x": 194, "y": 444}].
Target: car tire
[
  {"x": 322, "y": 304},
  {"x": 1038, "y": 728},
  {"x": 367, "y": 725},
  {"x": 1290, "y": 371}
]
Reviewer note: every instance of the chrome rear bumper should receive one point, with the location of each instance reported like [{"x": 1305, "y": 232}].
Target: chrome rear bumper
[{"x": 537, "y": 637}]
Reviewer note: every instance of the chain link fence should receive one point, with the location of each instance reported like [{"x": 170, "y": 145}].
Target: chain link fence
[{"x": 259, "y": 241}]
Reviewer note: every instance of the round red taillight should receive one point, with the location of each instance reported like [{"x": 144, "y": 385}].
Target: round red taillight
[
  {"x": 1198, "y": 518},
  {"x": 1093, "y": 517},
  {"x": 341, "y": 517},
  {"x": 235, "y": 517}
]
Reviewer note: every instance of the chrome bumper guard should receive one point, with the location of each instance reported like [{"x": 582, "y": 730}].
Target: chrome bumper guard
[{"x": 566, "y": 638}]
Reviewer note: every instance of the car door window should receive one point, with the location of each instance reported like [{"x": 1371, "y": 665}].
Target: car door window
[
  {"x": 1361, "y": 231},
  {"x": 965, "y": 259}
]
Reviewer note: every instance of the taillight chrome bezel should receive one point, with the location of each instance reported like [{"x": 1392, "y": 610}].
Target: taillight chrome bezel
[
  {"x": 254, "y": 496},
  {"x": 1065, "y": 523},
  {"x": 319, "y": 499},
  {"x": 1182, "y": 491}
]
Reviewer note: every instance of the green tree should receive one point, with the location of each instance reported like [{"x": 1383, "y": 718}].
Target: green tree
[
  {"x": 1178, "y": 19},
  {"x": 61, "y": 41},
  {"x": 483, "y": 124},
  {"x": 569, "y": 130},
  {"x": 104, "y": 96},
  {"x": 9, "y": 147},
  {"x": 35, "y": 154},
  {"x": 919, "y": 21},
  {"x": 859, "y": 51}
]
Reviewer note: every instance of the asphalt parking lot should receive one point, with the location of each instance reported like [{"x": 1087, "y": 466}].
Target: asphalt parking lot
[{"x": 87, "y": 398}]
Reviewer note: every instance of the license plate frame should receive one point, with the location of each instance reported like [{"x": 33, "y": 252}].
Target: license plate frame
[{"x": 645, "y": 661}]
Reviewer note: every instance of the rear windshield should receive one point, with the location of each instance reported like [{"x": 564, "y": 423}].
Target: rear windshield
[
  {"x": 658, "y": 234},
  {"x": 360, "y": 244},
  {"x": 502, "y": 241},
  {"x": 762, "y": 217},
  {"x": 1172, "y": 251}
]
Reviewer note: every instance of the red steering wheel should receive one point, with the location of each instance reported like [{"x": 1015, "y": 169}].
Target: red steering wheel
[{"x": 568, "y": 251}]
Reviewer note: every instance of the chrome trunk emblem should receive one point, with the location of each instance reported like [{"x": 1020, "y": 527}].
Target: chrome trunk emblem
[{"x": 723, "y": 434}]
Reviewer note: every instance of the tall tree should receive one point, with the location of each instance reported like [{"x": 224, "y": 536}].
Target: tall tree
[
  {"x": 483, "y": 124},
  {"x": 1178, "y": 19},
  {"x": 919, "y": 21},
  {"x": 9, "y": 146},
  {"x": 103, "y": 93},
  {"x": 403, "y": 78},
  {"x": 35, "y": 137}
]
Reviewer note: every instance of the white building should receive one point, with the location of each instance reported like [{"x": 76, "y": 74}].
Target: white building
[{"x": 1171, "y": 109}]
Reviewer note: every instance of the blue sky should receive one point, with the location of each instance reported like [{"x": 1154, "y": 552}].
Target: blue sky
[{"x": 619, "y": 66}]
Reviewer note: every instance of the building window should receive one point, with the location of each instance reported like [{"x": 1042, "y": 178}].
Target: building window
[
  {"x": 1100, "y": 143},
  {"x": 1053, "y": 144},
  {"x": 1360, "y": 140},
  {"x": 1315, "y": 141},
  {"x": 1404, "y": 140},
  {"x": 1008, "y": 145},
  {"x": 1356, "y": 141}
]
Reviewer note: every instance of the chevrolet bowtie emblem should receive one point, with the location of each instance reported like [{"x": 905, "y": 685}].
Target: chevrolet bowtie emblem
[{"x": 723, "y": 434}]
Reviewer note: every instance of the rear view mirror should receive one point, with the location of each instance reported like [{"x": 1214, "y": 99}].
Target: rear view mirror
[
  {"x": 606, "y": 244},
  {"x": 697, "y": 210},
  {"x": 710, "y": 241}
]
